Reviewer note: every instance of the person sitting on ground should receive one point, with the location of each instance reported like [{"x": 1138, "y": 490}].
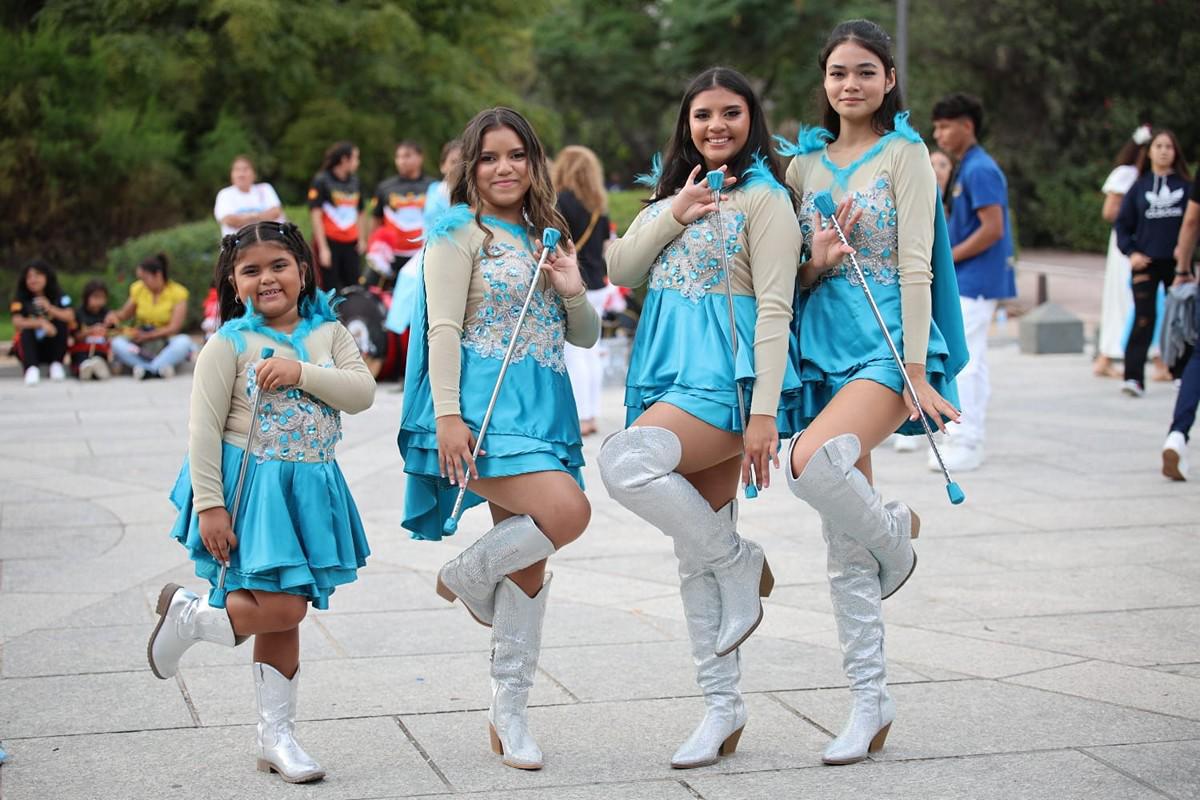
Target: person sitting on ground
[
  {"x": 90, "y": 348},
  {"x": 41, "y": 316},
  {"x": 158, "y": 307}
]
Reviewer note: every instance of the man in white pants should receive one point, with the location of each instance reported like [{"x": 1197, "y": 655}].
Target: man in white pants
[{"x": 982, "y": 251}]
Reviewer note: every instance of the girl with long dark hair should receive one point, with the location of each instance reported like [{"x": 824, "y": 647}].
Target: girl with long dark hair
[{"x": 678, "y": 464}]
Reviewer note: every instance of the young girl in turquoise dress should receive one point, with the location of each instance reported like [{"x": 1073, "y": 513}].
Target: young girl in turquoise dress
[
  {"x": 479, "y": 260},
  {"x": 297, "y": 534},
  {"x": 876, "y": 165},
  {"x": 678, "y": 464}
]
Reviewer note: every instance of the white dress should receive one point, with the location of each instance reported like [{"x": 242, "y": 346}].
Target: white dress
[{"x": 1117, "y": 301}]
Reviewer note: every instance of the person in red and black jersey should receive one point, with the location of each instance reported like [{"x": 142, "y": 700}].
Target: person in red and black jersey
[
  {"x": 335, "y": 204},
  {"x": 399, "y": 204}
]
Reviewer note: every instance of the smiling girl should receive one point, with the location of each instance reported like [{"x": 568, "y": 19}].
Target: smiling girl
[
  {"x": 479, "y": 261},
  {"x": 876, "y": 165},
  {"x": 298, "y": 534},
  {"x": 678, "y": 464}
]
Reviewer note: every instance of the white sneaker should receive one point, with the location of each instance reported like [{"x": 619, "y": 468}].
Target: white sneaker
[
  {"x": 960, "y": 457},
  {"x": 905, "y": 444},
  {"x": 87, "y": 369},
  {"x": 1132, "y": 388},
  {"x": 139, "y": 373},
  {"x": 166, "y": 372},
  {"x": 32, "y": 376},
  {"x": 57, "y": 373},
  {"x": 1174, "y": 457}
]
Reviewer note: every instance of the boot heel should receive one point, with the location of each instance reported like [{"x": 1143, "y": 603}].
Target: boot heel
[
  {"x": 767, "y": 581},
  {"x": 444, "y": 591},
  {"x": 264, "y": 766},
  {"x": 164, "y": 597},
  {"x": 916, "y": 524},
  {"x": 877, "y": 743},
  {"x": 497, "y": 745},
  {"x": 729, "y": 746}
]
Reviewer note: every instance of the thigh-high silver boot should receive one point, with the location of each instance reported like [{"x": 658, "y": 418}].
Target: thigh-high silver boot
[
  {"x": 717, "y": 676},
  {"x": 850, "y": 506},
  {"x": 473, "y": 575},
  {"x": 516, "y": 646},
  {"x": 638, "y": 468},
  {"x": 854, "y": 589}
]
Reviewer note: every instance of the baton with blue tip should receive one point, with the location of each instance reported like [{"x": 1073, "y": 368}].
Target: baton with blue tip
[{"x": 825, "y": 204}]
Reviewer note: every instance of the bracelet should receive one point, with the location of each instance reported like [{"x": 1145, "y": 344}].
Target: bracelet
[{"x": 1183, "y": 274}]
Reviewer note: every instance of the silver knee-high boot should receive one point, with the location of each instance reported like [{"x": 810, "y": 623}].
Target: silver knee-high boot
[
  {"x": 278, "y": 750},
  {"x": 184, "y": 619},
  {"x": 717, "y": 676},
  {"x": 850, "y": 506},
  {"x": 516, "y": 646},
  {"x": 472, "y": 575},
  {"x": 854, "y": 589},
  {"x": 638, "y": 468}
]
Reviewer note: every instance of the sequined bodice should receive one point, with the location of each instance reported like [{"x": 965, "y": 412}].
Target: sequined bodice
[
  {"x": 507, "y": 270},
  {"x": 874, "y": 238},
  {"x": 692, "y": 263},
  {"x": 292, "y": 425}
]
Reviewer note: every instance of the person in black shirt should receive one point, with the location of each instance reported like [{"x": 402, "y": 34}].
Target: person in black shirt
[
  {"x": 579, "y": 180},
  {"x": 399, "y": 204},
  {"x": 335, "y": 205},
  {"x": 41, "y": 315}
]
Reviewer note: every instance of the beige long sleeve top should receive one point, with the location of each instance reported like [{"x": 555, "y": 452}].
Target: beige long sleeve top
[
  {"x": 897, "y": 190},
  {"x": 221, "y": 408},
  {"x": 473, "y": 299},
  {"x": 760, "y": 223}
]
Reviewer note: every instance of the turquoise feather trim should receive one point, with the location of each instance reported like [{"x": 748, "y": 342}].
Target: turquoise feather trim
[
  {"x": 314, "y": 313},
  {"x": 651, "y": 179},
  {"x": 811, "y": 139},
  {"x": 451, "y": 220},
  {"x": 902, "y": 126},
  {"x": 759, "y": 172}
]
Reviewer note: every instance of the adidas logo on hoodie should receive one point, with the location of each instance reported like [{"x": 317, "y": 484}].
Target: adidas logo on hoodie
[{"x": 1162, "y": 201}]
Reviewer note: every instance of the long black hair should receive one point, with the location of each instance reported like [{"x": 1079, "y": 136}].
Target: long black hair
[
  {"x": 52, "y": 291},
  {"x": 282, "y": 234},
  {"x": 335, "y": 154},
  {"x": 1179, "y": 165},
  {"x": 681, "y": 153},
  {"x": 874, "y": 38},
  {"x": 156, "y": 265}
]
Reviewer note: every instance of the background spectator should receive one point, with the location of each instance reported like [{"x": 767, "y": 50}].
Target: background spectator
[
  {"x": 245, "y": 201},
  {"x": 437, "y": 196},
  {"x": 41, "y": 316},
  {"x": 158, "y": 307},
  {"x": 335, "y": 204},
  {"x": 399, "y": 204},
  {"x": 90, "y": 349}
]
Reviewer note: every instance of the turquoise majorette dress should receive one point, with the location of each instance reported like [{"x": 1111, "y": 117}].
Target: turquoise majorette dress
[
  {"x": 838, "y": 336},
  {"x": 535, "y": 426},
  {"x": 681, "y": 352},
  {"x": 298, "y": 529}
]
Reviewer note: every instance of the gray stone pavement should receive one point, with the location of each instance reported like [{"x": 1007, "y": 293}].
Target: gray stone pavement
[{"x": 1047, "y": 646}]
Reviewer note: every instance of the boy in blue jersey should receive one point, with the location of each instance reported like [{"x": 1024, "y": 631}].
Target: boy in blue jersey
[{"x": 982, "y": 250}]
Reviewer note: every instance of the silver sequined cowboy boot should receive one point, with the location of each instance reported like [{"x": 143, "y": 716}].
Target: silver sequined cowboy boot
[
  {"x": 278, "y": 750},
  {"x": 473, "y": 574},
  {"x": 850, "y": 506},
  {"x": 854, "y": 589},
  {"x": 183, "y": 620},
  {"x": 638, "y": 468},
  {"x": 516, "y": 646},
  {"x": 717, "y": 676}
]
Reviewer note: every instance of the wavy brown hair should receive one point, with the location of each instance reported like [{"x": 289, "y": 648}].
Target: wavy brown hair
[
  {"x": 577, "y": 170},
  {"x": 540, "y": 205}
]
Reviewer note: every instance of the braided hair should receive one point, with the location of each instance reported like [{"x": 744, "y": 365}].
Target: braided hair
[{"x": 282, "y": 234}]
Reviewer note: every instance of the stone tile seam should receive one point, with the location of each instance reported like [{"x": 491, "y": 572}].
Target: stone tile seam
[
  {"x": 428, "y": 759},
  {"x": 333, "y": 642},
  {"x": 1061, "y": 693},
  {"x": 1136, "y": 779},
  {"x": 1021, "y": 617},
  {"x": 187, "y": 700},
  {"x": 797, "y": 713}
]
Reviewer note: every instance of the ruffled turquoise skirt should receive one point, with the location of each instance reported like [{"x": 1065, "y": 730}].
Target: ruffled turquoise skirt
[
  {"x": 840, "y": 342},
  {"x": 681, "y": 356},
  {"x": 534, "y": 428},
  {"x": 298, "y": 529}
]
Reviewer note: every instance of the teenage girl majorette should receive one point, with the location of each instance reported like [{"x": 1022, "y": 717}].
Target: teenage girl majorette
[
  {"x": 479, "y": 261},
  {"x": 876, "y": 165},
  {"x": 297, "y": 535},
  {"x": 678, "y": 464}
]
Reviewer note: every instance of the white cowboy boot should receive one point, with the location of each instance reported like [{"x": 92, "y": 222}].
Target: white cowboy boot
[
  {"x": 278, "y": 750},
  {"x": 854, "y": 589},
  {"x": 717, "y": 676},
  {"x": 850, "y": 506},
  {"x": 183, "y": 620},
  {"x": 472, "y": 575},
  {"x": 638, "y": 468},
  {"x": 516, "y": 646}
]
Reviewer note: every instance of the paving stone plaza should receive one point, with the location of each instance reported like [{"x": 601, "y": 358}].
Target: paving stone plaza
[{"x": 1048, "y": 645}]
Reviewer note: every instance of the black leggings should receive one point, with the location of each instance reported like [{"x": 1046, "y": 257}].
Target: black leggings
[
  {"x": 1145, "y": 315},
  {"x": 343, "y": 268},
  {"x": 46, "y": 350}
]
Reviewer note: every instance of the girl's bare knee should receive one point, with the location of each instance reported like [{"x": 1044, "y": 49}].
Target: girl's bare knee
[
  {"x": 289, "y": 610},
  {"x": 569, "y": 520}
]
